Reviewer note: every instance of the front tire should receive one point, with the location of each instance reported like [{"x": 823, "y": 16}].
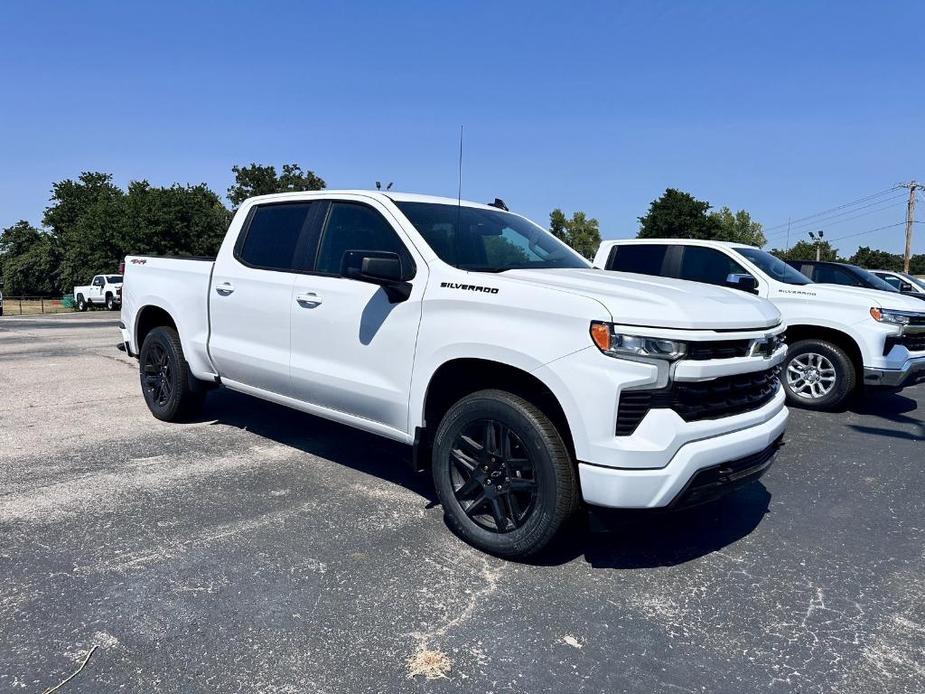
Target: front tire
[
  {"x": 165, "y": 377},
  {"x": 818, "y": 375},
  {"x": 110, "y": 303},
  {"x": 503, "y": 474}
]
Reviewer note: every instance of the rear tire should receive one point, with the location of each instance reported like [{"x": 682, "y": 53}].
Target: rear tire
[
  {"x": 81, "y": 303},
  {"x": 165, "y": 377},
  {"x": 818, "y": 375},
  {"x": 510, "y": 492}
]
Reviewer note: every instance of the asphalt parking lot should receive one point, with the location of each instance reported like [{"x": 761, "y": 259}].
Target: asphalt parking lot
[{"x": 263, "y": 550}]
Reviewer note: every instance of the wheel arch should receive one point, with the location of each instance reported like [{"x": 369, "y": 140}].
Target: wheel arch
[
  {"x": 796, "y": 333},
  {"x": 150, "y": 317},
  {"x": 459, "y": 377}
]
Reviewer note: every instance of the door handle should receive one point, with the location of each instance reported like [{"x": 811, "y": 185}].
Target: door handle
[
  {"x": 308, "y": 300},
  {"x": 224, "y": 289}
]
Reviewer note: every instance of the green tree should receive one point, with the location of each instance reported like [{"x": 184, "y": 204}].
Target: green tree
[
  {"x": 876, "y": 260},
  {"x": 806, "y": 250},
  {"x": 174, "y": 220},
  {"x": 580, "y": 232},
  {"x": 257, "y": 179},
  {"x": 30, "y": 259},
  {"x": 738, "y": 227},
  {"x": 677, "y": 214},
  {"x": 88, "y": 219}
]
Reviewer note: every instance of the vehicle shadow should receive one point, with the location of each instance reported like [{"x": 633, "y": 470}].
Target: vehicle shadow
[
  {"x": 373, "y": 455},
  {"x": 636, "y": 539},
  {"x": 893, "y": 408},
  {"x": 610, "y": 539}
]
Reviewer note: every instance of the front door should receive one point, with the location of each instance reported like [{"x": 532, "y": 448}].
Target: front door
[{"x": 352, "y": 349}]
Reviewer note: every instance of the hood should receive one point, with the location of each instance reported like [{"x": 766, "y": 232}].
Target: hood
[
  {"x": 863, "y": 297},
  {"x": 658, "y": 302}
]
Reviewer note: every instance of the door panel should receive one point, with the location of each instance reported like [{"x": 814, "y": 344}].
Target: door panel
[
  {"x": 352, "y": 350},
  {"x": 250, "y": 294}
]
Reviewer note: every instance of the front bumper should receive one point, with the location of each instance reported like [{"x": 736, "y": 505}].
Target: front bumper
[
  {"x": 910, "y": 373},
  {"x": 660, "y": 487}
]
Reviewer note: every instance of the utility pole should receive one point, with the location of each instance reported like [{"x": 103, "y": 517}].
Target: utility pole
[{"x": 910, "y": 220}]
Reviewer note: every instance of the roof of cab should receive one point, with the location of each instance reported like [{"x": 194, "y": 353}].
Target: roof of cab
[
  {"x": 374, "y": 194},
  {"x": 688, "y": 242}
]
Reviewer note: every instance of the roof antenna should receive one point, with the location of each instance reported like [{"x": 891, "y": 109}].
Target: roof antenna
[
  {"x": 459, "y": 189},
  {"x": 378, "y": 185},
  {"x": 388, "y": 187}
]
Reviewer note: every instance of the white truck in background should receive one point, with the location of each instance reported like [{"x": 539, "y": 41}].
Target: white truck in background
[
  {"x": 523, "y": 378},
  {"x": 840, "y": 337},
  {"x": 104, "y": 290}
]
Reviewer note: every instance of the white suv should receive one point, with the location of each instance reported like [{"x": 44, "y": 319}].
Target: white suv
[{"x": 839, "y": 337}]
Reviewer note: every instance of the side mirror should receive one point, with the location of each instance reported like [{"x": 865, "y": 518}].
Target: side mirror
[
  {"x": 744, "y": 282},
  {"x": 906, "y": 287},
  {"x": 382, "y": 268}
]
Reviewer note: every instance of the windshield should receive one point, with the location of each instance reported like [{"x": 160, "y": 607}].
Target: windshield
[
  {"x": 916, "y": 281},
  {"x": 113, "y": 279},
  {"x": 479, "y": 240},
  {"x": 873, "y": 281},
  {"x": 773, "y": 266}
]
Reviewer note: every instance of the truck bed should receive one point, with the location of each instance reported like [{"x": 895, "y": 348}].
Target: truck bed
[{"x": 178, "y": 285}]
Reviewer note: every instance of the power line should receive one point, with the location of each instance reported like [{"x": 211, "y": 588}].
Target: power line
[
  {"x": 837, "y": 207},
  {"x": 868, "y": 231},
  {"x": 828, "y": 220}
]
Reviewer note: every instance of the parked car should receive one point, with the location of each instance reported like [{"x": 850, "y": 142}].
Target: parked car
[
  {"x": 826, "y": 272},
  {"x": 104, "y": 290},
  {"x": 525, "y": 379},
  {"x": 839, "y": 337},
  {"x": 907, "y": 284}
]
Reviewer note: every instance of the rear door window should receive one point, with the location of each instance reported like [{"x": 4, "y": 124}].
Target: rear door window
[
  {"x": 273, "y": 236},
  {"x": 644, "y": 259}
]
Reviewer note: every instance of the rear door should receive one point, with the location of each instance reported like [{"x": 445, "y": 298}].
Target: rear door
[
  {"x": 352, "y": 349},
  {"x": 251, "y": 293}
]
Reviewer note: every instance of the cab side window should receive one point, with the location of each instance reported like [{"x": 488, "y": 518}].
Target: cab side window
[
  {"x": 357, "y": 227},
  {"x": 644, "y": 259},
  {"x": 826, "y": 274},
  {"x": 272, "y": 237},
  {"x": 892, "y": 280},
  {"x": 700, "y": 264}
]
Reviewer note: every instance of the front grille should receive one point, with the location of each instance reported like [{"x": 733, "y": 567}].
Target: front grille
[
  {"x": 694, "y": 401},
  {"x": 914, "y": 342},
  {"x": 722, "y": 349},
  {"x": 917, "y": 320}
]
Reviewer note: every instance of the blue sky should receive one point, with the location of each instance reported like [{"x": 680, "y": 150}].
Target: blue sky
[{"x": 783, "y": 109}]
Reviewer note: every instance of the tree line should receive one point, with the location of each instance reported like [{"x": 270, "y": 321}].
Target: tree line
[
  {"x": 91, "y": 224},
  {"x": 676, "y": 214}
]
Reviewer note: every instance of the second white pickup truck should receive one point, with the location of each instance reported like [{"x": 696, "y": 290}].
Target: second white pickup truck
[
  {"x": 840, "y": 337},
  {"x": 525, "y": 379}
]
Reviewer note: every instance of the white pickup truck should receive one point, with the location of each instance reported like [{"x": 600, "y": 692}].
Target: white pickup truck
[
  {"x": 840, "y": 337},
  {"x": 525, "y": 379},
  {"x": 104, "y": 290}
]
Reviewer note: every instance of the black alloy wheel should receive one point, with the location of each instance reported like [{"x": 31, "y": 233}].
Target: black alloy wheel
[
  {"x": 492, "y": 476},
  {"x": 158, "y": 375}
]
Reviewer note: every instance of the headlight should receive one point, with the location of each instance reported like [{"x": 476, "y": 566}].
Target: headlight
[
  {"x": 885, "y": 315},
  {"x": 615, "y": 344}
]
